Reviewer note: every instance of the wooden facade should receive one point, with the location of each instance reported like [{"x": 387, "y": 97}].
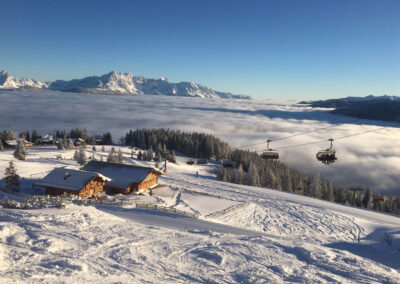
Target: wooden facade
[
  {"x": 150, "y": 181},
  {"x": 94, "y": 187}
]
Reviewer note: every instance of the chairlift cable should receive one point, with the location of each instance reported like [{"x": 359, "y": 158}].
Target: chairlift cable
[
  {"x": 342, "y": 137},
  {"x": 298, "y": 134}
]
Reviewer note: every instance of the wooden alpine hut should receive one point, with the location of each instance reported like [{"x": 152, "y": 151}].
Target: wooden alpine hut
[
  {"x": 81, "y": 183},
  {"x": 125, "y": 178}
]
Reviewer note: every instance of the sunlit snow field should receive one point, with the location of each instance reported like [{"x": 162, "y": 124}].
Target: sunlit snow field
[{"x": 370, "y": 160}]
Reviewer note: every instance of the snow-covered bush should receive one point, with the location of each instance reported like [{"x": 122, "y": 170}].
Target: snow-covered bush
[{"x": 12, "y": 204}]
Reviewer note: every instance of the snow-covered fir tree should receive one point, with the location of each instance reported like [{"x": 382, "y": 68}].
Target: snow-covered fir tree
[
  {"x": 112, "y": 156},
  {"x": 1, "y": 146},
  {"x": 82, "y": 156},
  {"x": 92, "y": 140},
  {"x": 120, "y": 157},
  {"x": 316, "y": 187},
  {"x": 328, "y": 193},
  {"x": 11, "y": 179},
  {"x": 76, "y": 155},
  {"x": 239, "y": 175},
  {"x": 65, "y": 142},
  {"x": 172, "y": 157},
  {"x": 60, "y": 145},
  {"x": 287, "y": 181},
  {"x": 20, "y": 150},
  {"x": 252, "y": 177}
]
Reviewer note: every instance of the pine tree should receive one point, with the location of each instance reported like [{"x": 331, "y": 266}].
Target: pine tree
[
  {"x": 65, "y": 142},
  {"x": 1, "y": 146},
  {"x": 76, "y": 155},
  {"x": 315, "y": 187},
  {"x": 287, "y": 181},
  {"x": 82, "y": 156},
  {"x": 93, "y": 140},
  {"x": 112, "y": 157},
  {"x": 107, "y": 139},
  {"x": 367, "y": 201},
  {"x": 268, "y": 179},
  {"x": 140, "y": 155},
  {"x": 60, "y": 145},
  {"x": 328, "y": 193},
  {"x": 20, "y": 150},
  {"x": 239, "y": 175},
  {"x": 11, "y": 179},
  {"x": 158, "y": 157},
  {"x": 35, "y": 135},
  {"x": 252, "y": 177},
  {"x": 172, "y": 158},
  {"x": 120, "y": 157}
]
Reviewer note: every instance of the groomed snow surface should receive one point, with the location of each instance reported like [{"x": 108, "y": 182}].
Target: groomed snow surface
[{"x": 275, "y": 237}]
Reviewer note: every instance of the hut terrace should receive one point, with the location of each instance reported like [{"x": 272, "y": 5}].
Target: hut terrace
[
  {"x": 80, "y": 183},
  {"x": 125, "y": 178}
]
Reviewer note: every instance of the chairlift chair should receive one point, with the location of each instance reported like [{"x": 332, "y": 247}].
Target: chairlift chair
[
  {"x": 327, "y": 156},
  {"x": 270, "y": 154}
]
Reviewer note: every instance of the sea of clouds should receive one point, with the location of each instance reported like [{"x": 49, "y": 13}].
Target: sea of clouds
[{"x": 369, "y": 160}]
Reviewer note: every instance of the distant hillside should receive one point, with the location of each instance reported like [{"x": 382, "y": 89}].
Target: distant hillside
[
  {"x": 386, "y": 108},
  {"x": 117, "y": 83}
]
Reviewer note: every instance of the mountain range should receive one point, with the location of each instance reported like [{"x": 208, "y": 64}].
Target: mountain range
[
  {"x": 117, "y": 83},
  {"x": 385, "y": 108}
]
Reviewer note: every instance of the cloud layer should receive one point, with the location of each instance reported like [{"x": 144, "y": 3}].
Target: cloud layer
[{"x": 370, "y": 160}]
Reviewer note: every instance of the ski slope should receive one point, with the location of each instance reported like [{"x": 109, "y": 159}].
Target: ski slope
[{"x": 277, "y": 238}]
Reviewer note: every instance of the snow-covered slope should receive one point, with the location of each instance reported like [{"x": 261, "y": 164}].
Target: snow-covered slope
[
  {"x": 118, "y": 83},
  {"x": 9, "y": 82},
  {"x": 278, "y": 238}
]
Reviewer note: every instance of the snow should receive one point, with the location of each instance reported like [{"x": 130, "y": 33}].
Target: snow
[
  {"x": 118, "y": 83},
  {"x": 278, "y": 237},
  {"x": 69, "y": 179},
  {"x": 9, "y": 82},
  {"x": 122, "y": 175}
]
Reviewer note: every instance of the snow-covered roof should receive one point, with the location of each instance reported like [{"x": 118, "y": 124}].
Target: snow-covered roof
[
  {"x": 69, "y": 179},
  {"x": 122, "y": 175},
  {"x": 14, "y": 142}
]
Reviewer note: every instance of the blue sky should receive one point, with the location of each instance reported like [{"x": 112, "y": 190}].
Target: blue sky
[{"x": 266, "y": 49}]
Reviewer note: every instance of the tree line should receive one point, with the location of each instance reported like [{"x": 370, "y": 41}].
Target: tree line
[
  {"x": 249, "y": 168},
  {"x": 75, "y": 133}
]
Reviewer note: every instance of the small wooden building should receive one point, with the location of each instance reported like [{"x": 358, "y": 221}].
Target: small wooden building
[
  {"x": 81, "y": 183},
  {"x": 48, "y": 139},
  {"x": 12, "y": 144},
  {"x": 125, "y": 178}
]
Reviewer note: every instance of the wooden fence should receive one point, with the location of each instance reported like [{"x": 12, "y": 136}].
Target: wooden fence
[{"x": 227, "y": 210}]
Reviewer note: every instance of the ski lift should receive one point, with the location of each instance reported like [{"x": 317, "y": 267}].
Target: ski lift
[
  {"x": 327, "y": 156},
  {"x": 270, "y": 154}
]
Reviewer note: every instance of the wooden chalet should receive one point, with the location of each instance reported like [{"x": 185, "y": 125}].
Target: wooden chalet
[
  {"x": 12, "y": 144},
  {"x": 77, "y": 141},
  {"x": 125, "y": 178},
  {"x": 81, "y": 183},
  {"x": 45, "y": 140}
]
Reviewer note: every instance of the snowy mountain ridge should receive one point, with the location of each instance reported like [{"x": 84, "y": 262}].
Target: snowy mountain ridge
[
  {"x": 118, "y": 83},
  {"x": 9, "y": 82}
]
